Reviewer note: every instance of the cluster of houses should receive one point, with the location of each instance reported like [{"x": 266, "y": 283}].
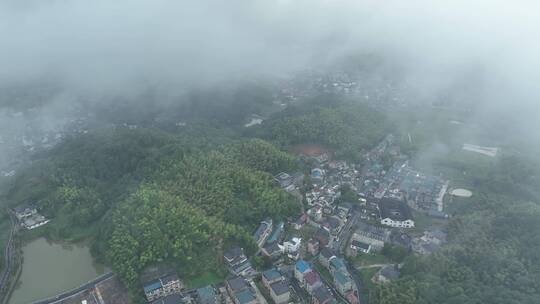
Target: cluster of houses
[
  {"x": 269, "y": 239},
  {"x": 29, "y": 217},
  {"x": 391, "y": 211},
  {"x": 342, "y": 279},
  {"x": 277, "y": 285},
  {"x": 424, "y": 193},
  {"x": 368, "y": 238},
  {"x": 311, "y": 281},
  {"x": 385, "y": 199},
  {"x": 168, "y": 289},
  {"x": 240, "y": 291}
]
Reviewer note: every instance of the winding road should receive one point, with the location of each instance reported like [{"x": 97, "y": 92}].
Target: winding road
[{"x": 8, "y": 257}]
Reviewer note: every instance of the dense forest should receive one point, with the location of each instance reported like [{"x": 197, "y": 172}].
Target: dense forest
[{"x": 348, "y": 128}]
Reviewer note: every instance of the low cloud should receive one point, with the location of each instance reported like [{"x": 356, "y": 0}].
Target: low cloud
[{"x": 484, "y": 52}]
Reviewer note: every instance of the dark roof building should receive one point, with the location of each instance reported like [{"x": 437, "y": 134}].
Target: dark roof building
[
  {"x": 236, "y": 261},
  {"x": 271, "y": 250},
  {"x": 245, "y": 297},
  {"x": 279, "y": 287},
  {"x": 395, "y": 213},
  {"x": 206, "y": 295},
  {"x": 236, "y": 284},
  {"x": 263, "y": 231}
]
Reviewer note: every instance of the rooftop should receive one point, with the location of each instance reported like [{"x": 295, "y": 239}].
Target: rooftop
[
  {"x": 360, "y": 245},
  {"x": 233, "y": 253},
  {"x": 260, "y": 231},
  {"x": 278, "y": 229},
  {"x": 237, "y": 283},
  {"x": 302, "y": 266},
  {"x": 341, "y": 278},
  {"x": 152, "y": 285},
  {"x": 394, "y": 209},
  {"x": 280, "y": 287},
  {"x": 206, "y": 295},
  {"x": 244, "y": 296},
  {"x": 272, "y": 248},
  {"x": 271, "y": 274},
  {"x": 312, "y": 278},
  {"x": 337, "y": 263}
]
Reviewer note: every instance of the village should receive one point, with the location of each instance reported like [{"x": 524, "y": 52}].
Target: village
[{"x": 351, "y": 213}]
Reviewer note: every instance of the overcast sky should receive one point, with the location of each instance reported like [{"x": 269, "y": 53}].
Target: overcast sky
[{"x": 119, "y": 46}]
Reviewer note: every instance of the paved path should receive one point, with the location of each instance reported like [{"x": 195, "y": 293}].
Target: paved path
[
  {"x": 8, "y": 256},
  {"x": 373, "y": 266}
]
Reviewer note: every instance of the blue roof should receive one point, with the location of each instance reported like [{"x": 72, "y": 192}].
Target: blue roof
[
  {"x": 316, "y": 173},
  {"x": 302, "y": 266},
  {"x": 151, "y": 286}
]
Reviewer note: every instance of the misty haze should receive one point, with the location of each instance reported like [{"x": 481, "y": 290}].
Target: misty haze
[{"x": 269, "y": 151}]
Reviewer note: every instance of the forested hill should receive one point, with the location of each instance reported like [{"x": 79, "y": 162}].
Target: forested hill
[
  {"x": 121, "y": 187},
  {"x": 180, "y": 197},
  {"x": 348, "y": 128}
]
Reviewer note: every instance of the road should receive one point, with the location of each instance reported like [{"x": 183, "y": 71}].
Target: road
[
  {"x": 333, "y": 289},
  {"x": 68, "y": 294},
  {"x": 345, "y": 233},
  {"x": 8, "y": 255}
]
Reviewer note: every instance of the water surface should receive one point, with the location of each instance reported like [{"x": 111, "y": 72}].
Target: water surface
[{"x": 52, "y": 268}]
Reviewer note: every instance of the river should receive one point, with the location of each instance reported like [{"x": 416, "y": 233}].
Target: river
[{"x": 51, "y": 268}]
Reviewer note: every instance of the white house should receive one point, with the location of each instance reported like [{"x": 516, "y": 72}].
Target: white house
[{"x": 395, "y": 213}]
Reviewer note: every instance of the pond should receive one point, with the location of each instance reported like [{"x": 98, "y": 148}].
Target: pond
[{"x": 52, "y": 268}]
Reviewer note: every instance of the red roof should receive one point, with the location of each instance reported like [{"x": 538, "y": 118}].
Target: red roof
[{"x": 312, "y": 278}]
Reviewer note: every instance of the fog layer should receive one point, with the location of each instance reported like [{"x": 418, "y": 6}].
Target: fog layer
[{"x": 487, "y": 50}]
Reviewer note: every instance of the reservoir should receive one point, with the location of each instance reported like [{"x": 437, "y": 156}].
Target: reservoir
[{"x": 52, "y": 268}]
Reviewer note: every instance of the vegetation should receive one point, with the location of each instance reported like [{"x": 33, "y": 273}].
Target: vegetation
[
  {"x": 346, "y": 127},
  {"x": 145, "y": 196}
]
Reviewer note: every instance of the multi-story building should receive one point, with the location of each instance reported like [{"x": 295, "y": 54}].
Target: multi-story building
[
  {"x": 279, "y": 291},
  {"x": 236, "y": 261},
  {"x": 161, "y": 287}
]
